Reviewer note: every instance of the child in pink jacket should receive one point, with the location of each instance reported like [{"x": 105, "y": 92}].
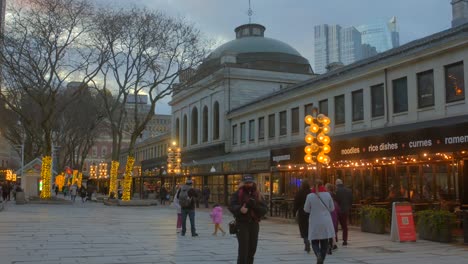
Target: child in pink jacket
[{"x": 217, "y": 217}]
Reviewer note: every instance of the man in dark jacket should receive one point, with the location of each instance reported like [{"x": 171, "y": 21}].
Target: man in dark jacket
[
  {"x": 344, "y": 197},
  {"x": 187, "y": 209},
  {"x": 248, "y": 207}
]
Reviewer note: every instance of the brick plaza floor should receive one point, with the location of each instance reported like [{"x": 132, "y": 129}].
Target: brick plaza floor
[{"x": 94, "y": 233}]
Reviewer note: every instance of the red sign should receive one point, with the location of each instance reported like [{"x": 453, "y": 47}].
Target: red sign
[{"x": 405, "y": 222}]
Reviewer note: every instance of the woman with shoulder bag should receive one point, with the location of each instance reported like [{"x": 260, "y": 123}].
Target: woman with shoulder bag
[{"x": 319, "y": 204}]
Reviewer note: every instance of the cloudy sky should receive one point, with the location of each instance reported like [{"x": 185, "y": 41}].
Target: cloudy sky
[{"x": 292, "y": 21}]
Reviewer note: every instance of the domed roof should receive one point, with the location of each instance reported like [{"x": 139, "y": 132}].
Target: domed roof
[
  {"x": 253, "y": 44},
  {"x": 252, "y": 50}
]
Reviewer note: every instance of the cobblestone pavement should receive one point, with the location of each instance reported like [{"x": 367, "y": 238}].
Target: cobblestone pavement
[{"x": 94, "y": 233}]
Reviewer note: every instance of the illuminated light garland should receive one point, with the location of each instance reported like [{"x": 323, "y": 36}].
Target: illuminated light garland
[
  {"x": 75, "y": 177},
  {"x": 316, "y": 130},
  {"x": 46, "y": 176},
  {"x": 113, "y": 177},
  {"x": 60, "y": 181},
  {"x": 80, "y": 179},
  {"x": 127, "y": 187}
]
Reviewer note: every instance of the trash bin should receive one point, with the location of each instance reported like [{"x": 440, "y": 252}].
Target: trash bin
[{"x": 465, "y": 226}]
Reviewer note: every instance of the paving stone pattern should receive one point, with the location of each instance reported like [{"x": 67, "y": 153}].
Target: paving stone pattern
[{"x": 94, "y": 233}]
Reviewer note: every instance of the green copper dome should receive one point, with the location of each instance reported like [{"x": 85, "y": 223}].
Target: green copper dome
[{"x": 252, "y": 50}]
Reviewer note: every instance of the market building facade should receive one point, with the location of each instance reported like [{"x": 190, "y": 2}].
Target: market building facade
[{"x": 398, "y": 120}]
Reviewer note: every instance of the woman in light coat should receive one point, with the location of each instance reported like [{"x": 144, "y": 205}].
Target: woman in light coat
[{"x": 319, "y": 204}]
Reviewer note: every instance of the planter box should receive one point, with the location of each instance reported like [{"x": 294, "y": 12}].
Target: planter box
[
  {"x": 376, "y": 225},
  {"x": 443, "y": 235},
  {"x": 20, "y": 198}
]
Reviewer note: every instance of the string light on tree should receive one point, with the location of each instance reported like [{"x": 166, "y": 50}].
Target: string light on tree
[{"x": 316, "y": 137}]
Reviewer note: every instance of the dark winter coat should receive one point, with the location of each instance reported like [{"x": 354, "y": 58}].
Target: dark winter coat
[
  {"x": 298, "y": 210},
  {"x": 255, "y": 204},
  {"x": 344, "y": 197}
]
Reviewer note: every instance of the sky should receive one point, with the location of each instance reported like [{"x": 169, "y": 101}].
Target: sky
[{"x": 293, "y": 21}]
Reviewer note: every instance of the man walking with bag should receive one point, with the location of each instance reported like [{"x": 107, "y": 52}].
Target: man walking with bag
[
  {"x": 344, "y": 198},
  {"x": 248, "y": 207},
  {"x": 186, "y": 196}
]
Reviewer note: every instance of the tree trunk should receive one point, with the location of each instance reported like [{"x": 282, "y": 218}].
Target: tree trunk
[
  {"x": 113, "y": 177},
  {"x": 128, "y": 179}
]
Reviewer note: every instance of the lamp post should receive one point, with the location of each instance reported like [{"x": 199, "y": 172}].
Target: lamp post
[
  {"x": 316, "y": 138},
  {"x": 22, "y": 153},
  {"x": 102, "y": 170},
  {"x": 92, "y": 171},
  {"x": 174, "y": 161}
]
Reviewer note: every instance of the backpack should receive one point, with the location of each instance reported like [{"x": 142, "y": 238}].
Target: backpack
[{"x": 184, "y": 199}]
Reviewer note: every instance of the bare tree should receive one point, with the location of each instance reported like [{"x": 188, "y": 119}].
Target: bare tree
[
  {"x": 78, "y": 125},
  {"x": 148, "y": 50},
  {"x": 44, "y": 46}
]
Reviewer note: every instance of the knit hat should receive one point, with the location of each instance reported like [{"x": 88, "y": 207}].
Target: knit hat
[{"x": 248, "y": 178}]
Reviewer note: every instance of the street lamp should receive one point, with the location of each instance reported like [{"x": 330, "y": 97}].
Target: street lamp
[
  {"x": 316, "y": 137},
  {"x": 174, "y": 160},
  {"x": 92, "y": 171},
  {"x": 102, "y": 170}
]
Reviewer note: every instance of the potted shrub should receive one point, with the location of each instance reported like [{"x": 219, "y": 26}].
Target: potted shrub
[
  {"x": 435, "y": 225},
  {"x": 20, "y": 197},
  {"x": 374, "y": 219}
]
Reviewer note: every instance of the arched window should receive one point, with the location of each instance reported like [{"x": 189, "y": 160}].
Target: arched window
[
  {"x": 216, "y": 121},
  {"x": 205, "y": 124},
  {"x": 177, "y": 130},
  {"x": 194, "y": 128},
  {"x": 184, "y": 137}
]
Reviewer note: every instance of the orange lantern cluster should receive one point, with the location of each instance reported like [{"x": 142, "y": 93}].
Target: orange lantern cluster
[{"x": 316, "y": 137}]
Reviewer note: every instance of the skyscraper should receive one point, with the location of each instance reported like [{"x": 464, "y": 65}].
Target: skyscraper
[
  {"x": 351, "y": 47},
  {"x": 336, "y": 44},
  {"x": 381, "y": 35},
  {"x": 326, "y": 46}
]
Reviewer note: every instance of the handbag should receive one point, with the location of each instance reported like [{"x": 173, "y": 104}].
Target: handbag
[{"x": 233, "y": 227}]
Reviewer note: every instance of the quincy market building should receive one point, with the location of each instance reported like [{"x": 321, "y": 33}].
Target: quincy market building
[{"x": 399, "y": 120}]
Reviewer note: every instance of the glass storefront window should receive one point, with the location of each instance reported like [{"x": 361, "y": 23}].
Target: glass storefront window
[
  {"x": 415, "y": 185},
  {"x": 427, "y": 182},
  {"x": 368, "y": 185},
  {"x": 357, "y": 186},
  {"x": 441, "y": 179}
]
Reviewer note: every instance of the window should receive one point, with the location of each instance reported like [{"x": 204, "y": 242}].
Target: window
[
  {"x": 234, "y": 134},
  {"x": 205, "y": 124},
  {"x": 103, "y": 152},
  {"x": 425, "y": 89},
  {"x": 454, "y": 82},
  {"x": 94, "y": 150},
  {"x": 358, "y": 105},
  {"x": 216, "y": 121},
  {"x": 323, "y": 107},
  {"x": 177, "y": 130},
  {"x": 295, "y": 120},
  {"x": 261, "y": 127},
  {"x": 242, "y": 132},
  {"x": 308, "y": 109},
  {"x": 194, "y": 126},
  {"x": 283, "y": 123},
  {"x": 184, "y": 137},
  {"x": 377, "y": 100},
  {"x": 271, "y": 126},
  {"x": 252, "y": 130},
  {"x": 400, "y": 95},
  {"x": 339, "y": 109}
]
